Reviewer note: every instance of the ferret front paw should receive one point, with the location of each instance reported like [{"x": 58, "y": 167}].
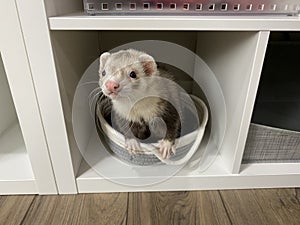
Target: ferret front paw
[
  {"x": 166, "y": 147},
  {"x": 132, "y": 145}
]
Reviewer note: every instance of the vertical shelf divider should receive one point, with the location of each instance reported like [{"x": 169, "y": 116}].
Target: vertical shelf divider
[
  {"x": 40, "y": 55},
  {"x": 22, "y": 89},
  {"x": 257, "y": 65}
]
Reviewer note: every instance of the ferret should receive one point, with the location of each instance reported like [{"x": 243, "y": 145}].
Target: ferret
[{"x": 145, "y": 100}]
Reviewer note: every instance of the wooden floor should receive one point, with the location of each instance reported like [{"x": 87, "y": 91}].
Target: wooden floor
[{"x": 241, "y": 207}]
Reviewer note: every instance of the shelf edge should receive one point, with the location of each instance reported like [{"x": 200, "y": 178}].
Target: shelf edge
[{"x": 184, "y": 23}]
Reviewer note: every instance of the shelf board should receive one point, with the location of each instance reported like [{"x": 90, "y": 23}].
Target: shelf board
[
  {"x": 215, "y": 178},
  {"x": 109, "y": 174},
  {"x": 81, "y": 21},
  {"x": 89, "y": 180},
  {"x": 16, "y": 176},
  {"x": 270, "y": 169}
]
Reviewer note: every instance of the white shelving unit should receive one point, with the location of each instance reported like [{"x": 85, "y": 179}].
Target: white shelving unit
[
  {"x": 61, "y": 44},
  {"x": 25, "y": 165}
]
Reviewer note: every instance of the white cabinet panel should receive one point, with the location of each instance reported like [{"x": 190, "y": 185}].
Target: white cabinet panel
[{"x": 24, "y": 154}]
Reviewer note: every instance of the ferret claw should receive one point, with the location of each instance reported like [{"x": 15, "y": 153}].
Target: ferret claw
[
  {"x": 166, "y": 148},
  {"x": 132, "y": 145}
]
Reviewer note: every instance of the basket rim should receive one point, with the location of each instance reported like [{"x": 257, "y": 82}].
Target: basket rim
[
  {"x": 116, "y": 136},
  {"x": 194, "y": 137}
]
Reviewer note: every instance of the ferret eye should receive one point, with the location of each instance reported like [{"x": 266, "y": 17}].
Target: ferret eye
[
  {"x": 132, "y": 74},
  {"x": 103, "y": 73}
]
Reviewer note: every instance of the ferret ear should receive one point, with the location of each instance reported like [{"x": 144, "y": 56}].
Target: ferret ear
[
  {"x": 148, "y": 63},
  {"x": 103, "y": 58}
]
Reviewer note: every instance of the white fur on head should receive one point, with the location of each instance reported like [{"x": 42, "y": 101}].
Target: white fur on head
[
  {"x": 103, "y": 58},
  {"x": 148, "y": 63}
]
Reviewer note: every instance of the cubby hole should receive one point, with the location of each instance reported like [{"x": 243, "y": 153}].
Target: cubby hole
[
  {"x": 186, "y": 6},
  {"x": 273, "y": 7},
  {"x": 198, "y": 6},
  {"x": 90, "y": 6},
  {"x": 118, "y": 6},
  {"x": 159, "y": 6},
  {"x": 286, "y": 7},
  {"x": 211, "y": 7},
  {"x": 146, "y": 6},
  {"x": 104, "y": 6},
  {"x": 236, "y": 7},
  {"x": 75, "y": 51},
  {"x": 223, "y": 6},
  {"x": 261, "y": 7},
  {"x": 132, "y": 6},
  {"x": 173, "y": 6},
  {"x": 274, "y": 135},
  {"x": 249, "y": 7},
  {"x": 14, "y": 161}
]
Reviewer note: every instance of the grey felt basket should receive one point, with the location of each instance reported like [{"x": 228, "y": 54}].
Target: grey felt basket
[
  {"x": 269, "y": 144},
  {"x": 187, "y": 145}
]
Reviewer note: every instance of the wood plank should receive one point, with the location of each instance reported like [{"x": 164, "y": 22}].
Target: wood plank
[
  {"x": 297, "y": 194},
  {"x": 104, "y": 209},
  {"x": 212, "y": 210},
  {"x": 176, "y": 208},
  {"x": 14, "y": 208},
  {"x": 51, "y": 209},
  {"x": 79, "y": 209},
  {"x": 264, "y": 206}
]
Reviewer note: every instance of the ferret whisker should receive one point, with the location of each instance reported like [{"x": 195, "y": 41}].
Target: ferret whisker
[
  {"x": 96, "y": 88},
  {"x": 129, "y": 100},
  {"x": 92, "y": 103},
  {"x": 92, "y": 110},
  {"x": 93, "y": 91},
  {"x": 92, "y": 94},
  {"x": 93, "y": 100}
]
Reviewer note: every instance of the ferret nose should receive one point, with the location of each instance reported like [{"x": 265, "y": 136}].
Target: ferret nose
[{"x": 111, "y": 85}]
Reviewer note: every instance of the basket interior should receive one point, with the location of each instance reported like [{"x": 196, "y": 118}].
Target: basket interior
[{"x": 188, "y": 118}]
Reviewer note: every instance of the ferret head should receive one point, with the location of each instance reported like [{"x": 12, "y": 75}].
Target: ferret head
[{"x": 122, "y": 74}]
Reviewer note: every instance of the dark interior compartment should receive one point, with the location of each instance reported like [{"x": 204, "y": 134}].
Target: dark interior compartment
[{"x": 278, "y": 98}]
